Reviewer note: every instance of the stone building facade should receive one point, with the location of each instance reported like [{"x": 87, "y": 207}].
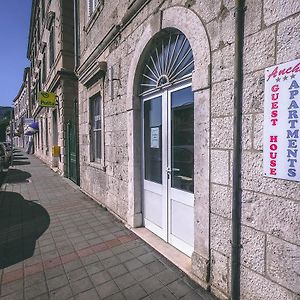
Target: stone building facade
[
  {"x": 21, "y": 110},
  {"x": 118, "y": 40},
  {"x": 51, "y": 53}
]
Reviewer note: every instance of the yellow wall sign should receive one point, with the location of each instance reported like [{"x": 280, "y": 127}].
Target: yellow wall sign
[
  {"x": 47, "y": 99},
  {"x": 55, "y": 151}
]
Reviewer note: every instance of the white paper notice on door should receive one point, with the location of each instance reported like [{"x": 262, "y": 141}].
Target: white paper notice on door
[{"x": 154, "y": 137}]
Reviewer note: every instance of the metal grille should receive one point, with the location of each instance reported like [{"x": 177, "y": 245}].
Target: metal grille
[{"x": 170, "y": 59}]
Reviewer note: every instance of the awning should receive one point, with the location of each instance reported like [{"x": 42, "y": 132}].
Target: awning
[{"x": 31, "y": 129}]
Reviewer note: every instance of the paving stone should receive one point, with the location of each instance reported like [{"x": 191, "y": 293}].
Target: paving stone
[
  {"x": 135, "y": 292},
  {"x": 102, "y": 255},
  {"x": 141, "y": 273},
  {"x": 72, "y": 265},
  {"x": 81, "y": 245},
  {"x": 33, "y": 260},
  {"x": 34, "y": 279},
  {"x": 108, "y": 237},
  {"x": 125, "y": 281},
  {"x": 57, "y": 282},
  {"x": 117, "y": 271},
  {"x": 81, "y": 285},
  {"x": 53, "y": 272},
  {"x": 78, "y": 239},
  {"x": 192, "y": 296},
  {"x": 50, "y": 255},
  {"x": 100, "y": 278},
  {"x": 151, "y": 284},
  {"x": 42, "y": 297},
  {"x": 118, "y": 296},
  {"x": 167, "y": 276},
  {"x": 179, "y": 288},
  {"x": 94, "y": 268},
  {"x": 90, "y": 295},
  {"x": 147, "y": 258},
  {"x": 11, "y": 287},
  {"x": 107, "y": 289},
  {"x": 163, "y": 293},
  {"x": 156, "y": 267},
  {"x": 119, "y": 249},
  {"x": 125, "y": 256},
  {"x": 133, "y": 264},
  {"x": 35, "y": 290},
  {"x": 110, "y": 262},
  {"x": 77, "y": 274},
  {"x": 14, "y": 296},
  {"x": 61, "y": 293},
  {"x": 95, "y": 241},
  {"x": 138, "y": 251},
  {"x": 86, "y": 260},
  {"x": 49, "y": 247}
]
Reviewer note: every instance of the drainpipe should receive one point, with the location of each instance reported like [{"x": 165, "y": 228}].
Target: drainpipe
[
  {"x": 237, "y": 150},
  {"x": 76, "y": 34}
]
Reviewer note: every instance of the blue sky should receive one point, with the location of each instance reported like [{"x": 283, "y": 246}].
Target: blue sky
[{"x": 14, "y": 29}]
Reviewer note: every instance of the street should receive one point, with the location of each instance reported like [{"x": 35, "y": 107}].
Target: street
[{"x": 57, "y": 243}]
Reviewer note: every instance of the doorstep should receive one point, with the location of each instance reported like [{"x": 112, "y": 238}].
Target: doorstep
[{"x": 179, "y": 259}]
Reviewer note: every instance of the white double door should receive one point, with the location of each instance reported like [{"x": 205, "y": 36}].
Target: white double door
[{"x": 168, "y": 168}]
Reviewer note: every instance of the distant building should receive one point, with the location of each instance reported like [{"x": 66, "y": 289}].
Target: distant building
[
  {"x": 156, "y": 112},
  {"x": 6, "y": 113},
  {"x": 22, "y": 110},
  {"x": 51, "y": 53}
]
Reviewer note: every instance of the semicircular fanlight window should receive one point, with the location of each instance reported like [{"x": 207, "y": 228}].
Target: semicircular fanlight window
[{"x": 169, "y": 60}]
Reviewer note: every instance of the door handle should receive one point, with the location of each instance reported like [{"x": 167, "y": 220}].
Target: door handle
[{"x": 169, "y": 170}]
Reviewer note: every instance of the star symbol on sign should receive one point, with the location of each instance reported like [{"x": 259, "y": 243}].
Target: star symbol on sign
[
  {"x": 293, "y": 76},
  {"x": 285, "y": 77},
  {"x": 277, "y": 79}
]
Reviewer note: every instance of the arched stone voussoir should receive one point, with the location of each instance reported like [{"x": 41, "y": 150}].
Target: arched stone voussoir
[
  {"x": 192, "y": 27},
  {"x": 151, "y": 29}
]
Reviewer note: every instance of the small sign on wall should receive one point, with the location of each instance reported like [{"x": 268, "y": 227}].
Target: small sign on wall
[
  {"x": 281, "y": 121},
  {"x": 154, "y": 137},
  {"x": 47, "y": 99}
]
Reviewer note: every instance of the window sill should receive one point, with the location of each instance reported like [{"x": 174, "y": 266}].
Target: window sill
[
  {"x": 93, "y": 18},
  {"x": 97, "y": 165}
]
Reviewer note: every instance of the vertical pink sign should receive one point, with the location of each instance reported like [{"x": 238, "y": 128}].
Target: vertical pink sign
[{"x": 281, "y": 121}]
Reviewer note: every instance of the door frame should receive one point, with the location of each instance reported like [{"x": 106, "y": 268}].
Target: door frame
[
  {"x": 175, "y": 17},
  {"x": 167, "y": 190}
]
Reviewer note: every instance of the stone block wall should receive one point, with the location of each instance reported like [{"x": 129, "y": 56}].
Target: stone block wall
[
  {"x": 60, "y": 78},
  {"x": 270, "y": 207}
]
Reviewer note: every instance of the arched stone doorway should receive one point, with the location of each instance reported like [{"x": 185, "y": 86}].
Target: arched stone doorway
[
  {"x": 187, "y": 22},
  {"x": 167, "y": 113}
]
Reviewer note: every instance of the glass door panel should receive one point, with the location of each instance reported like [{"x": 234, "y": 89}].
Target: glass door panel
[
  {"x": 168, "y": 133},
  {"x": 155, "y": 191},
  {"x": 153, "y": 139},
  {"x": 182, "y": 140}
]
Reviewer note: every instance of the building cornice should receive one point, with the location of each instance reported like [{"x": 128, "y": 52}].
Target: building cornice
[{"x": 31, "y": 27}]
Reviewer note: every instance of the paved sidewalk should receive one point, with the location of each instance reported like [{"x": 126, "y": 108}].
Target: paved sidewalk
[{"x": 56, "y": 243}]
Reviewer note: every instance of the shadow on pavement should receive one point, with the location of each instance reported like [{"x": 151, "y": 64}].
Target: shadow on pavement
[
  {"x": 18, "y": 154},
  {"x": 20, "y": 163},
  {"x": 17, "y": 176},
  {"x": 22, "y": 222},
  {"x": 20, "y": 157}
]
